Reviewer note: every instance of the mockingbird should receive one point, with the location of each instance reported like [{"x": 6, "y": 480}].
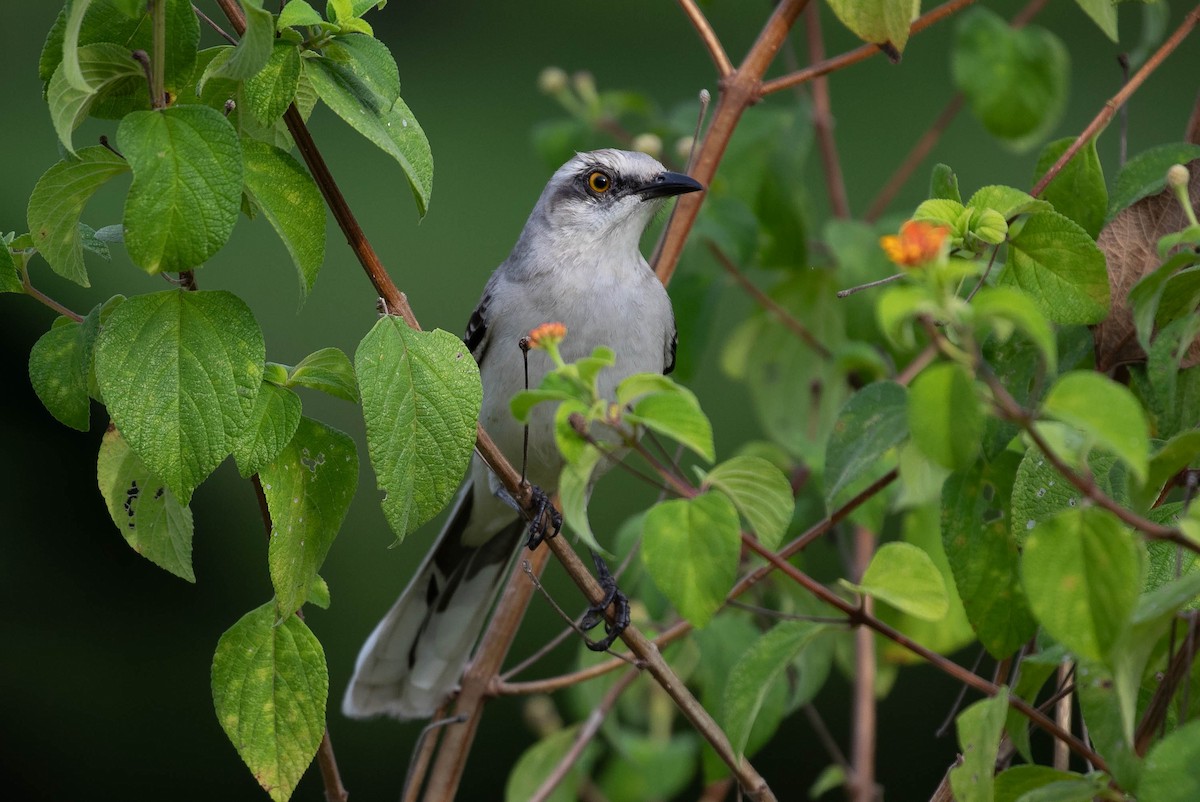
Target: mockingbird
[{"x": 576, "y": 262}]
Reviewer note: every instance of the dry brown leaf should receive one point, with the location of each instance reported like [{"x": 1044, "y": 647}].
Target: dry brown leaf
[{"x": 1130, "y": 244}]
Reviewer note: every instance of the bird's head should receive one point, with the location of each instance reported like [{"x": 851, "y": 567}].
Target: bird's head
[{"x": 610, "y": 194}]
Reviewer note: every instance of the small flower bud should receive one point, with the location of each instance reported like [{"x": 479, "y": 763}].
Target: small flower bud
[
  {"x": 585, "y": 85},
  {"x": 649, "y": 144},
  {"x": 1178, "y": 176},
  {"x": 552, "y": 80},
  {"x": 918, "y": 243}
]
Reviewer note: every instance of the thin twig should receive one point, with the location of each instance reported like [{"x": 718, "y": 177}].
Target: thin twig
[
  {"x": 862, "y": 747},
  {"x": 38, "y": 295},
  {"x": 158, "y": 58},
  {"x": 423, "y": 749},
  {"x": 822, "y": 118},
  {"x": 708, "y": 36},
  {"x": 587, "y": 731},
  {"x": 826, "y": 738},
  {"x": 1062, "y": 717},
  {"x": 858, "y": 54},
  {"x": 846, "y": 293},
  {"x": 334, "y": 790},
  {"x": 1102, "y": 119},
  {"x": 207, "y": 20},
  {"x": 1176, "y": 674},
  {"x": 768, "y": 303}
]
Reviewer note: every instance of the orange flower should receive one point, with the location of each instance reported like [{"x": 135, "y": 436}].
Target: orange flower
[
  {"x": 919, "y": 242},
  {"x": 546, "y": 335}
]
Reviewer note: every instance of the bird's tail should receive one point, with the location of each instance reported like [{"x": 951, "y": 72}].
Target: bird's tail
[{"x": 417, "y": 653}]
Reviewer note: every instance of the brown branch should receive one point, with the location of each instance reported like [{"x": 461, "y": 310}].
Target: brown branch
[
  {"x": 1177, "y": 674},
  {"x": 708, "y": 36},
  {"x": 767, "y": 302},
  {"x": 738, "y": 91},
  {"x": 334, "y": 790},
  {"x": 822, "y": 111},
  {"x": 1102, "y": 119},
  {"x": 587, "y": 731},
  {"x": 861, "y": 53},
  {"x": 861, "y": 782},
  {"x": 859, "y": 617}
]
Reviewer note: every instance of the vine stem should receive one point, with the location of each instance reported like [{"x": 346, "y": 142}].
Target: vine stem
[
  {"x": 708, "y": 36},
  {"x": 158, "y": 58},
  {"x": 1101, "y": 120},
  {"x": 861, "y": 783},
  {"x": 822, "y": 113}
]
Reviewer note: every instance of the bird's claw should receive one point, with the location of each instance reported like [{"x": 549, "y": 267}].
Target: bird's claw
[
  {"x": 595, "y": 613},
  {"x": 545, "y": 521}
]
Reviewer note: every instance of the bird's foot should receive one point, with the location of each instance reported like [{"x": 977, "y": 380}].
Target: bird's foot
[
  {"x": 595, "y": 613},
  {"x": 545, "y": 522}
]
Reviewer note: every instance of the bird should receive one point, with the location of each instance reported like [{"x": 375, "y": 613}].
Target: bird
[{"x": 577, "y": 262}]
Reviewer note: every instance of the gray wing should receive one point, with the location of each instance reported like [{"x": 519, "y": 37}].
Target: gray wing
[
  {"x": 476, "y": 337},
  {"x": 669, "y": 355}
]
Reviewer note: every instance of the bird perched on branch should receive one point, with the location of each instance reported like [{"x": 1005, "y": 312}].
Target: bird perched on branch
[{"x": 576, "y": 262}]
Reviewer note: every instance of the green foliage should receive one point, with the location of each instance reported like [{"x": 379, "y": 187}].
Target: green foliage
[
  {"x": 536, "y": 763},
  {"x": 905, "y": 577},
  {"x": 308, "y": 486},
  {"x": 58, "y": 372},
  {"x": 760, "y": 492},
  {"x": 1055, "y": 261},
  {"x": 871, "y": 424},
  {"x": 1015, "y": 80},
  {"x": 944, "y": 416},
  {"x": 979, "y": 729},
  {"x": 419, "y": 451},
  {"x": 180, "y": 372},
  {"x": 1078, "y": 191},
  {"x": 878, "y": 21},
  {"x": 269, "y": 684}
]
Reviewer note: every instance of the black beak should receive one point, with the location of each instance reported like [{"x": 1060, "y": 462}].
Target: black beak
[{"x": 668, "y": 184}]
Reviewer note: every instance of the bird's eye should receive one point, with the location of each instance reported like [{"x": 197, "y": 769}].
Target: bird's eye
[{"x": 599, "y": 182}]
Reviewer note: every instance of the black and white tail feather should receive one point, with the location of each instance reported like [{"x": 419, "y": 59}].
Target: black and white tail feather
[{"x": 577, "y": 262}]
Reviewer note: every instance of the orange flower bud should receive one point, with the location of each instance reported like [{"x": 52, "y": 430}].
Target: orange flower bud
[
  {"x": 919, "y": 242},
  {"x": 546, "y": 335}
]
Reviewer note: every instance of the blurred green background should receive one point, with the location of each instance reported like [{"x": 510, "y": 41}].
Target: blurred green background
[{"x": 106, "y": 658}]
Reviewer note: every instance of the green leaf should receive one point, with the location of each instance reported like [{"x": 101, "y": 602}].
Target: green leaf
[
  {"x": 253, "y": 48},
  {"x": 690, "y": 547},
  {"x": 1035, "y": 670},
  {"x": 421, "y": 397},
  {"x": 1008, "y": 202},
  {"x": 1012, "y": 784},
  {"x": 1040, "y": 492},
  {"x": 1146, "y": 174},
  {"x": 269, "y": 92},
  {"x": 327, "y": 370},
  {"x": 905, "y": 577},
  {"x": 72, "y": 72},
  {"x": 1106, "y": 412},
  {"x": 102, "y": 65},
  {"x": 943, "y": 184},
  {"x": 639, "y": 384},
  {"x": 649, "y": 766},
  {"x": 92, "y": 324},
  {"x": 1103, "y": 13},
  {"x": 538, "y": 761},
  {"x": 1059, "y": 265},
  {"x": 983, "y": 554},
  {"x": 757, "y": 671},
  {"x": 1015, "y": 80},
  {"x": 1003, "y": 309},
  {"x": 1170, "y": 771},
  {"x": 187, "y": 186},
  {"x": 944, "y": 415},
  {"x": 58, "y": 200},
  {"x": 1176, "y": 454},
  {"x": 1082, "y": 573},
  {"x": 290, "y": 200},
  {"x": 58, "y": 372},
  {"x": 308, "y": 488},
  {"x": 574, "y": 484},
  {"x": 318, "y": 593},
  {"x": 357, "y": 79},
  {"x": 147, "y": 513},
  {"x": 761, "y": 493},
  {"x": 878, "y": 21},
  {"x": 180, "y": 372},
  {"x": 872, "y": 423},
  {"x": 10, "y": 274},
  {"x": 269, "y": 684},
  {"x": 1078, "y": 191},
  {"x": 272, "y": 424},
  {"x": 677, "y": 416},
  {"x": 297, "y": 13},
  {"x": 979, "y": 729}
]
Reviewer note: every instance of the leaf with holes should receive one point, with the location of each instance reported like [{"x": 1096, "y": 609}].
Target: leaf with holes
[
  {"x": 308, "y": 487},
  {"x": 144, "y": 509}
]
